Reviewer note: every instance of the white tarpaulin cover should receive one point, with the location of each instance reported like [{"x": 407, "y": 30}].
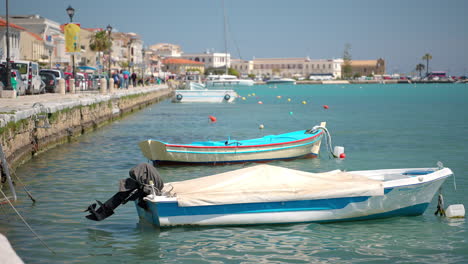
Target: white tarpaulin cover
[{"x": 266, "y": 183}]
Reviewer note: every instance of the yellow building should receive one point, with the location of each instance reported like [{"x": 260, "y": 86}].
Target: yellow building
[
  {"x": 367, "y": 67},
  {"x": 32, "y": 48}
]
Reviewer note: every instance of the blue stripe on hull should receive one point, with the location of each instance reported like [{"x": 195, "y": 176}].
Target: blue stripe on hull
[{"x": 172, "y": 209}]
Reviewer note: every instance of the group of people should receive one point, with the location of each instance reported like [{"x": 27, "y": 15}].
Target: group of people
[{"x": 122, "y": 79}]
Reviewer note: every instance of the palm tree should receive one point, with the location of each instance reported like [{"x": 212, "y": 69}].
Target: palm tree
[
  {"x": 100, "y": 42},
  {"x": 420, "y": 67},
  {"x": 427, "y": 57}
]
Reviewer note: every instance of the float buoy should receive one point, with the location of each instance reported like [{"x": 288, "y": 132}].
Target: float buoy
[
  {"x": 179, "y": 97},
  {"x": 261, "y": 126},
  {"x": 279, "y": 96},
  {"x": 243, "y": 98},
  {"x": 212, "y": 118},
  {"x": 260, "y": 102},
  {"x": 342, "y": 156},
  {"x": 304, "y": 102},
  {"x": 227, "y": 97},
  {"x": 325, "y": 107},
  {"x": 289, "y": 99}
]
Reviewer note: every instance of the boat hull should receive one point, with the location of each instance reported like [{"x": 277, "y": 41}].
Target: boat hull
[
  {"x": 204, "y": 96},
  {"x": 161, "y": 153},
  {"x": 410, "y": 199}
]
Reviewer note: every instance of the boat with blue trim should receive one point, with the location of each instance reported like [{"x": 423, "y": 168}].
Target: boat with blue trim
[
  {"x": 279, "y": 80},
  {"x": 265, "y": 194},
  {"x": 297, "y": 144}
]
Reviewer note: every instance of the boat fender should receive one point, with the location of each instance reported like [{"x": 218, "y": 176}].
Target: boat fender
[
  {"x": 179, "y": 97},
  {"x": 227, "y": 97}
]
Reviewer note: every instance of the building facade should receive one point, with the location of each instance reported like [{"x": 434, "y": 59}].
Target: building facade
[
  {"x": 166, "y": 50},
  {"x": 210, "y": 60},
  {"x": 288, "y": 67},
  {"x": 182, "y": 66},
  {"x": 51, "y": 34},
  {"x": 368, "y": 67},
  {"x": 15, "y": 40}
]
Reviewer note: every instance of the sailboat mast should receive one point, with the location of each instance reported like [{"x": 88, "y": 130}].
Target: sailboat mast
[{"x": 225, "y": 38}]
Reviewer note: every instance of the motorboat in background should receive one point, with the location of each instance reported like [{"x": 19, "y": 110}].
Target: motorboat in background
[
  {"x": 279, "y": 80},
  {"x": 195, "y": 92},
  {"x": 226, "y": 80},
  {"x": 303, "y": 143}
]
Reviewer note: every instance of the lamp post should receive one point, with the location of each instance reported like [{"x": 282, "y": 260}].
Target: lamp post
[
  {"x": 7, "y": 66},
  {"x": 71, "y": 13},
  {"x": 109, "y": 30},
  {"x": 143, "y": 61}
]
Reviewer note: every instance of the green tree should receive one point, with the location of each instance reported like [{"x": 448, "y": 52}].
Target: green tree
[
  {"x": 232, "y": 71},
  {"x": 252, "y": 76},
  {"x": 100, "y": 42},
  {"x": 347, "y": 70},
  {"x": 420, "y": 67},
  {"x": 427, "y": 57}
]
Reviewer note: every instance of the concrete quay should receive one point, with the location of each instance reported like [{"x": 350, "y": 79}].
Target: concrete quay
[{"x": 35, "y": 123}]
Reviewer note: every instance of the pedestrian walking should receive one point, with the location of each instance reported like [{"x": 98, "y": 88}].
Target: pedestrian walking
[{"x": 134, "y": 77}]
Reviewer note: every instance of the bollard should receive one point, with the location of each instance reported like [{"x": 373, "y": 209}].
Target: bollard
[
  {"x": 111, "y": 85},
  {"x": 61, "y": 88},
  {"x": 72, "y": 86},
  {"x": 103, "y": 86}
]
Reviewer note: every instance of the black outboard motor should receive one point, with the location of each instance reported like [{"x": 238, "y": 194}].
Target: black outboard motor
[{"x": 135, "y": 187}]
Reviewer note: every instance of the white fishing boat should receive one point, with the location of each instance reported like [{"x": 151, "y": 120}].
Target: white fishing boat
[
  {"x": 279, "y": 80},
  {"x": 266, "y": 194},
  {"x": 226, "y": 80}
]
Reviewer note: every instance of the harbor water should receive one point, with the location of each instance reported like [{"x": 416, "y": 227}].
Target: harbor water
[{"x": 380, "y": 126}]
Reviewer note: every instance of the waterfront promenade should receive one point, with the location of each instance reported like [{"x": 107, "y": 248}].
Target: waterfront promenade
[{"x": 32, "y": 124}]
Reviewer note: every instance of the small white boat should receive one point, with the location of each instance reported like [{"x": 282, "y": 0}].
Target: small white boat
[
  {"x": 196, "y": 92},
  {"x": 266, "y": 194},
  {"x": 278, "y": 80},
  {"x": 297, "y": 144},
  {"x": 226, "y": 80}
]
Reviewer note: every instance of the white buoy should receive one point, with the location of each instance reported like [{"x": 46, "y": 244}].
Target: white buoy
[
  {"x": 338, "y": 150},
  {"x": 455, "y": 211},
  {"x": 261, "y": 126}
]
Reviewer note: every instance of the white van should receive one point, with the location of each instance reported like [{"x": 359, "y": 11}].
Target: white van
[{"x": 30, "y": 74}]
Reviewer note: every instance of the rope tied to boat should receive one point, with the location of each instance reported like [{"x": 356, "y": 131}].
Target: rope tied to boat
[
  {"x": 440, "y": 205},
  {"x": 328, "y": 139}
]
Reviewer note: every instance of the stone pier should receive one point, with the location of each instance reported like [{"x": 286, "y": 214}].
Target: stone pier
[{"x": 33, "y": 124}]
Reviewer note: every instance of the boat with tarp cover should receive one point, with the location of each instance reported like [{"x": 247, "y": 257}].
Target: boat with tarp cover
[
  {"x": 297, "y": 144},
  {"x": 265, "y": 194}
]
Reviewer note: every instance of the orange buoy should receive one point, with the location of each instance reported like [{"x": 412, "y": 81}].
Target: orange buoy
[
  {"x": 342, "y": 156},
  {"x": 325, "y": 107},
  {"x": 212, "y": 118}
]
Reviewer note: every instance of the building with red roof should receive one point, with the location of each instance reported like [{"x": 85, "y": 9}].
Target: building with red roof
[{"x": 15, "y": 36}]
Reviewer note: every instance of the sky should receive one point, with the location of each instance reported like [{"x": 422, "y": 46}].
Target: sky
[{"x": 399, "y": 31}]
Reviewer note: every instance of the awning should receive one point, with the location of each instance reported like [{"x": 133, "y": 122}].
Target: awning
[{"x": 87, "y": 68}]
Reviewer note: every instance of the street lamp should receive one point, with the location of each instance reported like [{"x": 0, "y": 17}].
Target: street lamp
[
  {"x": 7, "y": 64},
  {"x": 109, "y": 30},
  {"x": 143, "y": 61},
  {"x": 71, "y": 12}
]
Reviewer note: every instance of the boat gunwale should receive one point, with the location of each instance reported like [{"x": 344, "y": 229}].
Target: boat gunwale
[{"x": 244, "y": 146}]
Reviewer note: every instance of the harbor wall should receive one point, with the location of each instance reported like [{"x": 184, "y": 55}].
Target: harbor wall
[{"x": 28, "y": 132}]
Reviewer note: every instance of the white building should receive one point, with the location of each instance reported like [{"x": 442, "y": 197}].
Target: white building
[
  {"x": 166, "y": 50},
  {"x": 289, "y": 67},
  {"x": 211, "y": 60},
  {"x": 14, "y": 36},
  {"x": 49, "y": 31}
]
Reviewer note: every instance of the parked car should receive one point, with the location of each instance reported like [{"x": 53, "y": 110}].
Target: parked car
[
  {"x": 30, "y": 73},
  {"x": 59, "y": 74},
  {"x": 50, "y": 81}
]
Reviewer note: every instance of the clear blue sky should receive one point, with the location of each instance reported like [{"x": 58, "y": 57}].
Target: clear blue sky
[{"x": 400, "y": 31}]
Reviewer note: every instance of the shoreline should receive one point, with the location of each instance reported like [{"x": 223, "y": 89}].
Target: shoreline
[
  {"x": 30, "y": 125},
  {"x": 367, "y": 82}
]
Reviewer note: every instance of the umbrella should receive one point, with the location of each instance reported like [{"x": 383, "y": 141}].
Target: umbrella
[
  {"x": 126, "y": 72},
  {"x": 86, "y": 68}
]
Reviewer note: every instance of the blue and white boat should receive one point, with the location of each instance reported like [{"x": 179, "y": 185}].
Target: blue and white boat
[
  {"x": 266, "y": 194},
  {"x": 279, "y": 80},
  {"x": 297, "y": 144}
]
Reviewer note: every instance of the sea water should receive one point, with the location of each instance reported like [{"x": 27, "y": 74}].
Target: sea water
[{"x": 380, "y": 126}]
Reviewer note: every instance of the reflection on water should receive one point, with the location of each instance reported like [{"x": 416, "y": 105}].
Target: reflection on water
[{"x": 380, "y": 127}]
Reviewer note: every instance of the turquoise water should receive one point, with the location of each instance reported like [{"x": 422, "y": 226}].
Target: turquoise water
[{"x": 380, "y": 126}]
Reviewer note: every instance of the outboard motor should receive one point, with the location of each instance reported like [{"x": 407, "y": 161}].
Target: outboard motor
[{"x": 131, "y": 189}]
